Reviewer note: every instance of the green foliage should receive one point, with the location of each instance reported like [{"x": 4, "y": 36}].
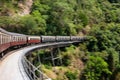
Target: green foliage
[
  {"x": 71, "y": 76},
  {"x": 63, "y": 17},
  {"x": 105, "y": 43},
  {"x": 48, "y": 66},
  {"x": 96, "y": 66},
  {"x": 68, "y": 55},
  {"x": 66, "y": 60},
  {"x": 84, "y": 18},
  {"x": 113, "y": 59},
  {"x": 29, "y": 24},
  {"x": 58, "y": 17},
  {"x": 104, "y": 38},
  {"x": 8, "y": 7}
]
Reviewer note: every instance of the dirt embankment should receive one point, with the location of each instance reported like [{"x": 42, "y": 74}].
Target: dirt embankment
[{"x": 25, "y": 7}]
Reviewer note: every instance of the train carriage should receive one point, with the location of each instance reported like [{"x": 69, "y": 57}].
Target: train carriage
[
  {"x": 48, "y": 38},
  {"x": 5, "y": 40},
  {"x": 77, "y": 38},
  {"x": 33, "y": 39},
  {"x": 17, "y": 39},
  {"x": 62, "y": 38}
]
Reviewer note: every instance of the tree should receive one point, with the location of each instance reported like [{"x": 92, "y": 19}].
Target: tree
[{"x": 95, "y": 68}]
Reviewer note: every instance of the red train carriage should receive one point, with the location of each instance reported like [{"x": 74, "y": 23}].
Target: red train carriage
[
  {"x": 5, "y": 40},
  {"x": 8, "y": 39},
  {"x": 33, "y": 39},
  {"x": 17, "y": 39}
]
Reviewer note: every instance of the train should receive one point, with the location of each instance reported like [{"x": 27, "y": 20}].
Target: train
[{"x": 10, "y": 39}]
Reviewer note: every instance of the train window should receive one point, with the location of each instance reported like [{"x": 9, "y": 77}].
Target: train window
[
  {"x": 18, "y": 38},
  {"x": 24, "y": 38},
  {"x": 3, "y": 39},
  {"x": 0, "y": 38},
  {"x": 14, "y": 38},
  {"x": 21, "y": 38},
  {"x": 7, "y": 38}
]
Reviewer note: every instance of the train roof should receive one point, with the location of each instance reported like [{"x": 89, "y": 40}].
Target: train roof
[
  {"x": 10, "y": 33},
  {"x": 16, "y": 34},
  {"x": 2, "y": 30}
]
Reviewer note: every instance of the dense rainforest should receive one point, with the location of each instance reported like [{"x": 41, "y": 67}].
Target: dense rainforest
[{"x": 98, "y": 58}]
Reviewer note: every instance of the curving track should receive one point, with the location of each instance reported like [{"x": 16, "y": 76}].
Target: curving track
[{"x": 11, "y": 68}]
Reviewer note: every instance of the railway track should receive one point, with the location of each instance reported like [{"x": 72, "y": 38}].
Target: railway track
[{"x": 11, "y": 68}]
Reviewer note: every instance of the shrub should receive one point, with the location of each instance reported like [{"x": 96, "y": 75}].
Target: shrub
[{"x": 71, "y": 75}]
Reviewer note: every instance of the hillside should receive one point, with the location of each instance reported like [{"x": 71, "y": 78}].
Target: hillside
[{"x": 99, "y": 57}]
